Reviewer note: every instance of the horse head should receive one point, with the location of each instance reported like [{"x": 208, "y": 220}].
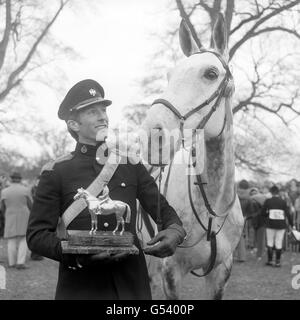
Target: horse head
[{"x": 195, "y": 97}]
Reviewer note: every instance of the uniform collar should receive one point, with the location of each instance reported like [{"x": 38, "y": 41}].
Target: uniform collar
[{"x": 87, "y": 149}]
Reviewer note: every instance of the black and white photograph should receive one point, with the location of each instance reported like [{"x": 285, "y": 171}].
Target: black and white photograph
[{"x": 150, "y": 151}]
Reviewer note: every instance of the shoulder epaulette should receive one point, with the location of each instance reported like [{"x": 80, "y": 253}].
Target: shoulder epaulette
[{"x": 49, "y": 165}]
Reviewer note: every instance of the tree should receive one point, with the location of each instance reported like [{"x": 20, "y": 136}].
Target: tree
[
  {"x": 26, "y": 25},
  {"x": 25, "y": 41},
  {"x": 264, "y": 61},
  {"x": 135, "y": 114}
]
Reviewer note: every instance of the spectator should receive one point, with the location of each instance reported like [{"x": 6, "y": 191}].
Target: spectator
[
  {"x": 266, "y": 190},
  {"x": 297, "y": 209},
  {"x": 247, "y": 209},
  {"x": 293, "y": 190},
  {"x": 258, "y": 221},
  {"x": 276, "y": 211},
  {"x": 16, "y": 204},
  {"x": 284, "y": 194}
]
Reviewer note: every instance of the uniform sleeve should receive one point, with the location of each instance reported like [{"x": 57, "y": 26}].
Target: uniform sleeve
[
  {"x": 148, "y": 196},
  {"x": 41, "y": 232}
]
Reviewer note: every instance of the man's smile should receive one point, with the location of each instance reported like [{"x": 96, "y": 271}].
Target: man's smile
[{"x": 100, "y": 126}]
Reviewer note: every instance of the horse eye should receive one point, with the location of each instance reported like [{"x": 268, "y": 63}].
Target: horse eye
[{"x": 211, "y": 75}]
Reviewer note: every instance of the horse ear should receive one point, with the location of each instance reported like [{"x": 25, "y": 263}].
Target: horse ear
[
  {"x": 219, "y": 36},
  {"x": 187, "y": 43}
]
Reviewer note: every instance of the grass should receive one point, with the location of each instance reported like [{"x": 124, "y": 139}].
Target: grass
[{"x": 250, "y": 280}]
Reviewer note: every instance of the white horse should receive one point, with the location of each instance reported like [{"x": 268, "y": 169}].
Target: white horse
[
  {"x": 199, "y": 182},
  {"x": 104, "y": 205}
]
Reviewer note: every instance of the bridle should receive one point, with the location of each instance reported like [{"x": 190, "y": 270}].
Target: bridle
[{"x": 218, "y": 95}]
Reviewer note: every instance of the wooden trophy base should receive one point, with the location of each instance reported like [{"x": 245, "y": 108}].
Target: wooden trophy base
[{"x": 81, "y": 242}]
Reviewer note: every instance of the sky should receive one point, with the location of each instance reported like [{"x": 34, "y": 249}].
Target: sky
[{"x": 114, "y": 44}]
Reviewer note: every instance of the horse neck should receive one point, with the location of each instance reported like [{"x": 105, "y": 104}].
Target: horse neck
[{"x": 219, "y": 170}]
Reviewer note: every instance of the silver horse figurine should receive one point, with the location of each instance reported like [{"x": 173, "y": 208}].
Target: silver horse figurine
[{"x": 104, "y": 205}]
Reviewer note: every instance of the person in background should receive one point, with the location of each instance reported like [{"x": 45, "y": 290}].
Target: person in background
[
  {"x": 258, "y": 221},
  {"x": 293, "y": 195},
  {"x": 266, "y": 189},
  {"x": 247, "y": 209},
  {"x": 276, "y": 211},
  {"x": 16, "y": 204},
  {"x": 284, "y": 195},
  {"x": 293, "y": 190},
  {"x": 297, "y": 209}
]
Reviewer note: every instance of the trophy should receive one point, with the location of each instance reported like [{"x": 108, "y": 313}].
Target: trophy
[{"x": 96, "y": 241}]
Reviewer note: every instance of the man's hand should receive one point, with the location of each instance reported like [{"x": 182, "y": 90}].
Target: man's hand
[{"x": 168, "y": 240}]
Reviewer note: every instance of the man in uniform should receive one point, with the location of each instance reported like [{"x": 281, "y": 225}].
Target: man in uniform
[
  {"x": 97, "y": 276},
  {"x": 16, "y": 204}
]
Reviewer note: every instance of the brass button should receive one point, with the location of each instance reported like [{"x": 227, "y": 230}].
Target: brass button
[
  {"x": 123, "y": 184},
  {"x": 106, "y": 224},
  {"x": 83, "y": 149}
]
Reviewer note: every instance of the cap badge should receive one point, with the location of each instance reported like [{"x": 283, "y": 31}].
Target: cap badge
[
  {"x": 84, "y": 149},
  {"x": 92, "y": 92}
]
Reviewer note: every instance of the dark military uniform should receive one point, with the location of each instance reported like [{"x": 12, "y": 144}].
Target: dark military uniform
[{"x": 125, "y": 279}]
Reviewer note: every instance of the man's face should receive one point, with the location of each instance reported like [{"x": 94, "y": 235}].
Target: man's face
[{"x": 92, "y": 123}]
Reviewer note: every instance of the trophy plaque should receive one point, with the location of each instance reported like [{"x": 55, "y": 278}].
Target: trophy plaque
[{"x": 97, "y": 241}]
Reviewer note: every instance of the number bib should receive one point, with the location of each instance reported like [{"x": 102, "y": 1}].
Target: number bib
[{"x": 276, "y": 214}]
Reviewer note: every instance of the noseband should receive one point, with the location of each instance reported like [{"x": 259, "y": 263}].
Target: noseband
[{"x": 219, "y": 93}]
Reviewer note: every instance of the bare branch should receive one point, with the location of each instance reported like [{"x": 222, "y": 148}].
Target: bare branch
[
  {"x": 270, "y": 29},
  {"x": 192, "y": 10},
  {"x": 263, "y": 107},
  {"x": 246, "y": 102},
  {"x": 184, "y": 16},
  {"x": 228, "y": 15},
  {"x": 243, "y": 22},
  {"x": 251, "y": 31},
  {"x": 251, "y": 165},
  {"x": 5, "y": 39},
  {"x": 206, "y": 7},
  {"x": 12, "y": 82}
]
